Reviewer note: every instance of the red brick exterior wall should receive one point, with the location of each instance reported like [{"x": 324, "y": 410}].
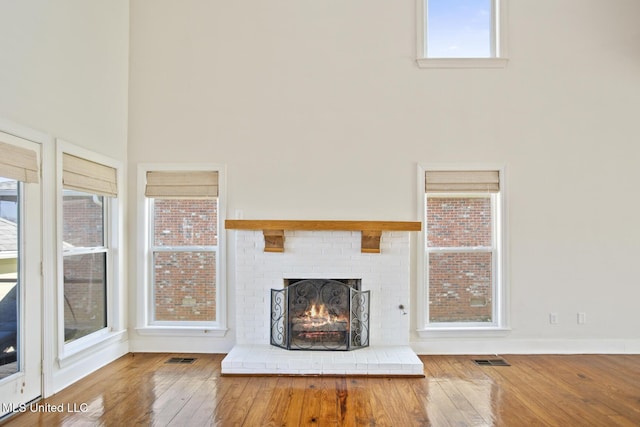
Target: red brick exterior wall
[
  {"x": 460, "y": 283},
  {"x": 185, "y": 282},
  {"x": 83, "y": 221},
  {"x": 458, "y": 222}
]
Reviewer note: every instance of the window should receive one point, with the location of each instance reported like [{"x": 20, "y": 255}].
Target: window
[
  {"x": 84, "y": 264},
  {"x": 183, "y": 248},
  {"x": 461, "y": 33},
  {"x": 183, "y": 253},
  {"x": 88, "y": 233},
  {"x": 463, "y": 280}
]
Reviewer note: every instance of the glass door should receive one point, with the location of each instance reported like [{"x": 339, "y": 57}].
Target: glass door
[{"x": 20, "y": 289}]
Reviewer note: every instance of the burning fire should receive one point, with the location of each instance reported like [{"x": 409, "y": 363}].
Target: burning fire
[{"x": 317, "y": 315}]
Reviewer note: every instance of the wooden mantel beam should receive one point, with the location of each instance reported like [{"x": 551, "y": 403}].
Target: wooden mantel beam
[
  {"x": 310, "y": 225},
  {"x": 273, "y": 230}
]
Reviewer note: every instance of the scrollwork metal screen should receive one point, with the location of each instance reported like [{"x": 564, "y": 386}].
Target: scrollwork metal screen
[{"x": 319, "y": 314}]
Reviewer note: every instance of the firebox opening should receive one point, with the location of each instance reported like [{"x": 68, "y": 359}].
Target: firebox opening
[{"x": 320, "y": 314}]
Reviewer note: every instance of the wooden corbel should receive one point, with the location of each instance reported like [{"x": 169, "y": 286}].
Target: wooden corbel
[
  {"x": 273, "y": 240},
  {"x": 370, "y": 243}
]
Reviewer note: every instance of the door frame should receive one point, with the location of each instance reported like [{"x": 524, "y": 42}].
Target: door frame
[{"x": 47, "y": 245}]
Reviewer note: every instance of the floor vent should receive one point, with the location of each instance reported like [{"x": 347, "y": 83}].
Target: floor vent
[
  {"x": 181, "y": 360},
  {"x": 491, "y": 362}
]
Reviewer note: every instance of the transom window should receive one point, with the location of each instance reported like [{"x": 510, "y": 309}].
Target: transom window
[{"x": 461, "y": 33}]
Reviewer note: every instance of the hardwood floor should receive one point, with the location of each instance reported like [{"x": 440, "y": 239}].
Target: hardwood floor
[{"x": 141, "y": 389}]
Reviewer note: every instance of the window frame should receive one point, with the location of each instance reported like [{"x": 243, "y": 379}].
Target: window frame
[
  {"x": 499, "y": 41},
  {"x": 113, "y": 235},
  {"x": 500, "y": 321},
  {"x": 146, "y": 323}
]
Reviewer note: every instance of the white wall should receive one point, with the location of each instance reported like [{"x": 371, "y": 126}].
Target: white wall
[
  {"x": 64, "y": 70},
  {"x": 319, "y": 112},
  {"x": 64, "y": 75}
]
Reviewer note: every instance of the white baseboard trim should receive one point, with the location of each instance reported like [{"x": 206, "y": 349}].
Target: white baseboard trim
[
  {"x": 543, "y": 346},
  {"x": 173, "y": 344}
]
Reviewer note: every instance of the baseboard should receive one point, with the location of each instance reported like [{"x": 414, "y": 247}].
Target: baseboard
[
  {"x": 173, "y": 344},
  {"x": 541, "y": 346}
]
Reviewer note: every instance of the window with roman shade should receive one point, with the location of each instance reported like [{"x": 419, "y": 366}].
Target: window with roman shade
[
  {"x": 463, "y": 248},
  {"x": 183, "y": 247},
  {"x": 89, "y": 195}
]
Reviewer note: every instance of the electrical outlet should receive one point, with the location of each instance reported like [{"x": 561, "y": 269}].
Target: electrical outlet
[
  {"x": 582, "y": 318},
  {"x": 553, "y": 318}
]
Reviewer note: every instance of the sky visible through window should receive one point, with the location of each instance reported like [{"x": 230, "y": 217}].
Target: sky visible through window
[
  {"x": 8, "y": 203},
  {"x": 459, "y": 29}
]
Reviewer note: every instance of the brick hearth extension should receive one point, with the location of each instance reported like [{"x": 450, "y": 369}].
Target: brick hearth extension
[{"x": 269, "y": 360}]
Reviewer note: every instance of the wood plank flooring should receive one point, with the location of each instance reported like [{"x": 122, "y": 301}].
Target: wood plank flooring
[{"x": 540, "y": 390}]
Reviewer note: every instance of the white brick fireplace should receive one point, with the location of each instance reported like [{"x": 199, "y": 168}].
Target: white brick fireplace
[{"x": 323, "y": 255}]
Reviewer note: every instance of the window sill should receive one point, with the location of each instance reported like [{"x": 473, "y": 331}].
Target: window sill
[
  {"x": 462, "y": 62},
  {"x": 183, "y": 331},
  {"x": 458, "y": 332},
  {"x": 79, "y": 350}
]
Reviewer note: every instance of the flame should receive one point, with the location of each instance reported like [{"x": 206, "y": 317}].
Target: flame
[
  {"x": 318, "y": 312},
  {"x": 318, "y": 315}
]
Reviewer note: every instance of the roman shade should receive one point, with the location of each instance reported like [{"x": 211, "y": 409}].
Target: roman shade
[
  {"x": 462, "y": 181},
  {"x": 182, "y": 184},
  {"x": 89, "y": 177},
  {"x": 18, "y": 163}
]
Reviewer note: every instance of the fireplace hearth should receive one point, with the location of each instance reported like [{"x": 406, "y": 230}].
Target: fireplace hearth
[{"x": 320, "y": 314}]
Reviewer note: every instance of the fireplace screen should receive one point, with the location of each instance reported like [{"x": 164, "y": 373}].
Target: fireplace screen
[{"x": 320, "y": 314}]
